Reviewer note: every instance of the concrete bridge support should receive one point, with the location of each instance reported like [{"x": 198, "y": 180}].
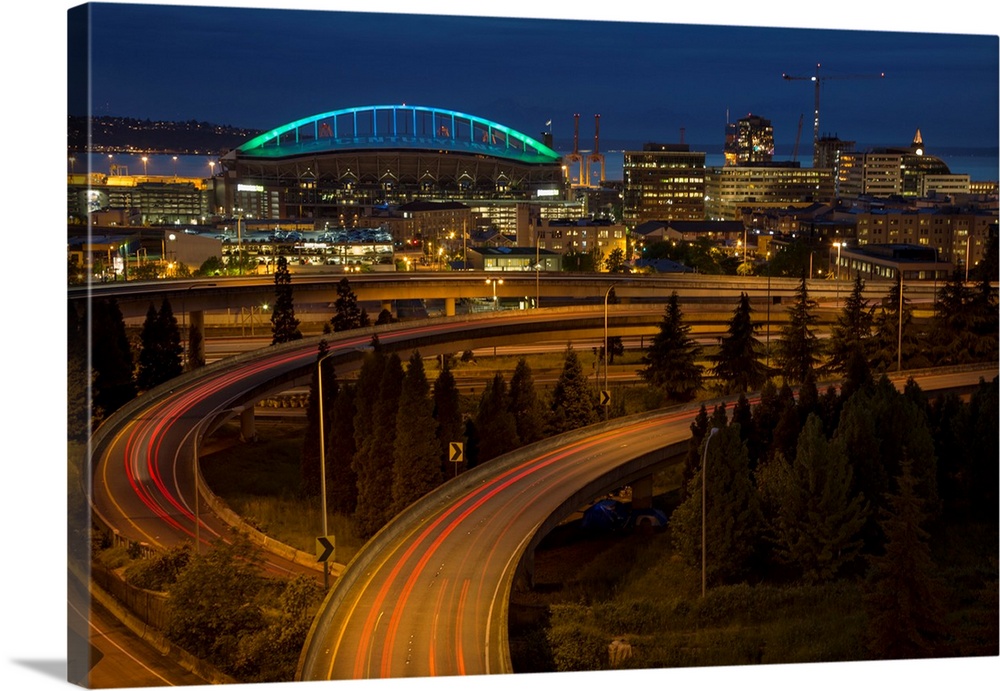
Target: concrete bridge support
[
  {"x": 642, "y": 493},
  {"x": 196, "y": 336},
  {"x": 449, "y": 307},
  {"x": 248, "y": 431},
  {"x": 387, "y": 306}
]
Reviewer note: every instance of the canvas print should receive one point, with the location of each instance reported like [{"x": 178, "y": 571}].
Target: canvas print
[{"x": 413, "y": 346}]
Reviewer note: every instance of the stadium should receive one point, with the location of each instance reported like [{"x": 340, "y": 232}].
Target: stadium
[{"x": 349, "y": 163}]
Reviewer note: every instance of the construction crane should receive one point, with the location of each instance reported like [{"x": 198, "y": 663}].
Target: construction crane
[{"x": 816, "y": 81}]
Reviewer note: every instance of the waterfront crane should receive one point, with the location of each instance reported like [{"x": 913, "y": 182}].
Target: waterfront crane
[{"x": 817, "y": 79}]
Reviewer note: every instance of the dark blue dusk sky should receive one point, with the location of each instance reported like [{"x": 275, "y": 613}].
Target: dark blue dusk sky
[{"x": 260, "y": 68}]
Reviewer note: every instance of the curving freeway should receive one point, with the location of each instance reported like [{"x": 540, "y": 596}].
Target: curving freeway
[
  {"x": 143, "y": 473},
  {"x": 428, "y": 595}
]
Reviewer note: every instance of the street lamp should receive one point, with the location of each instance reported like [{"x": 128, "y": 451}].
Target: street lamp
[
  {"x": 704, "y": 459},
  {"x": 607, "y": 294},
  {"x": 322, "y": 453},
  {"x": 494, "y": 281},
  {"x": 144, "y": 160},
  {"x": 838, "y": 245},
  {"x": 194, "y": 468}
]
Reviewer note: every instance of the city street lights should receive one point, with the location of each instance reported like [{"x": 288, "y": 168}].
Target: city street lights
[
  {"x": 838, "y": 245},
  {"x": 194, "y": 468},
  {"x": 145, "y": 159},
  {"x": 494, "y": 281},
  {"x": 704, "y": 474}
]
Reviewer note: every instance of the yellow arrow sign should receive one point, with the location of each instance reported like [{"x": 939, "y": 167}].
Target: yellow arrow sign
[
  {"x": 325, "y": 547},
  {"x": 456, "y": 452}
]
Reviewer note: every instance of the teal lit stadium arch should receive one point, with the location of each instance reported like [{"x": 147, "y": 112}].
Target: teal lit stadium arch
[{"x": 402, "y": 126}]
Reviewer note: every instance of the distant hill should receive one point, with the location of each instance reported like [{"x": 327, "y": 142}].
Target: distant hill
[{"x": 155, "y": 136}]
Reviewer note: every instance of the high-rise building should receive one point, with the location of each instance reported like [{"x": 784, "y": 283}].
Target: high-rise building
[
  {"x": 663, "y": 182},
  {"x": 750, "y": 140}
]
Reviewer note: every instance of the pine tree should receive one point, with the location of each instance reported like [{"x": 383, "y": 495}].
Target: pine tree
[
  {"x": 524, "y": 404},
  {"x": 369, "y": 468},
  {"x": 737, "y": 364},
  {"x": 819, "y": 518},
  {"x": 448, "y": 416},
  {"x": 904, "y": 600},
  {"x": 111, "y": 358},
  {"x": 417, "y": 455},
  {"x": 852, "y": 333},
  {"x": 284, "y": 325},
  {"x": 886, "y": 354},
  {"x": 671, "y": 362},
  {"x": 733, "y": 521},
  {"x": 348, "y": 313},
  {"x": 342, "y": 481},
  {"x": 573, "y": 402},
  {"x": 890, "y": 428},
  {"x": 160, "y": 348},
  {"x": 692, "y": 460},
  {"x": 495, "y": 424},
  {"x": 953, "y": 338},
  {"x": 797, "y": 349}
]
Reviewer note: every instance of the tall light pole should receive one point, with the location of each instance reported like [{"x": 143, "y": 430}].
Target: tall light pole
[
  {"x": 144, "y": 161},
  {"x": 838, "y": 245},
  {"x": 494, "y": 281},
  {"x": 194, "y": 469},
  {"x": 704, "y": 495},
  {"x": 538, "y": 266},
  {"x": 607, "y": 294},
  {"x": 322, "y": 455},
  {"x": 899, "y": 344}
]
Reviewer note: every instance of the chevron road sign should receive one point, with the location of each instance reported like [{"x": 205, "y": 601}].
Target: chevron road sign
[
  {"x": 325, "y": 547},
  {"x": 456, "y": 452},
  {"x": 605, "y": 397}
]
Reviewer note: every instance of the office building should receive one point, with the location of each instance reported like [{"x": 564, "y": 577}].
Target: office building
[{"x": 663, "y": 182}]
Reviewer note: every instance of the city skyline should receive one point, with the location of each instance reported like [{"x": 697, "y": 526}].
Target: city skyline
[{"x": 648, "y": 81}]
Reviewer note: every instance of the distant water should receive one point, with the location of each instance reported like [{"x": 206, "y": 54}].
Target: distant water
[{"x": 980, "y": 164}]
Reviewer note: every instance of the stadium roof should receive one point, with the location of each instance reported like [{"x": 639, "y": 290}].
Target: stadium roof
[{"x": 396, "y": 127}]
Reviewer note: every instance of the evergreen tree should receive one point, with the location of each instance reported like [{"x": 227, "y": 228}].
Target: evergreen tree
[
  {"x": 573, "y": 402},
  {"x": 737, "y": 364},
  {"x": 743, "y": 416},
  {"x": 524, "y": 404},
  {"x": 953, "y": 337},
  {"x": 692, "y": 460},
  {"x": 160, "y": 348},
  {"x": 284, "y": 325},
  {"x": 889, "y": 427},
  {"x": 671, "y": 362},
  {"x": 904, "y": 600},
  {"x": 147, "y": 375},
  {"x": 766, "y": 414},
  {"x": 819, "y": 520},
  {"x": 348, "y": 313},
  {"x": 111, "y": 358},
  {"x": 797, "y": 350},
  {"x": 886, "y": 354},
  {"x": 417, "y": 455},
  {"x": 448, "y": 415},
  {"x": 383, "y": 445},
  {"x": 852, "y": 332},
  {"x": 733, "y": 522},
  {"x": 80, "y": 379},
  {"x": 495, "y": 425},
  {"x": 369, "y": 468},
  {"x": 342, "y": 481}
]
